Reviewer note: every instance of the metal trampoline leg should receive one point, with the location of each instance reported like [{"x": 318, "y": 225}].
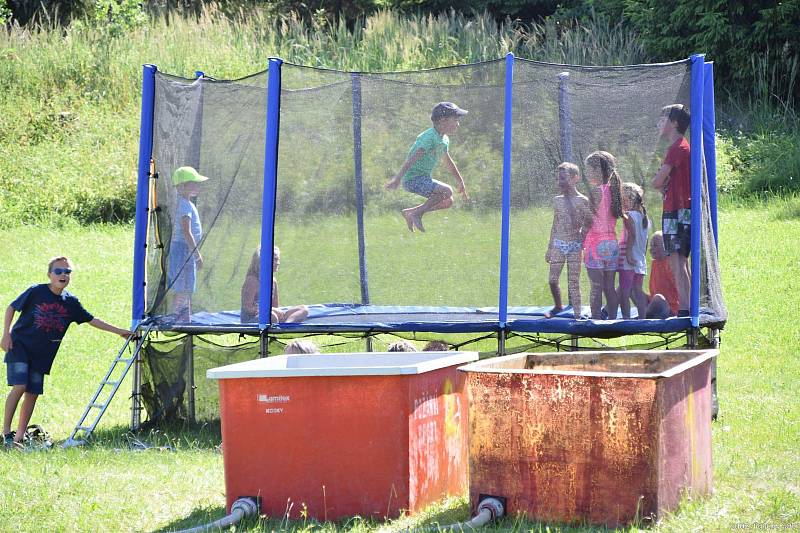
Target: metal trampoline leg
[
  {"x": 263, "y": 349},
  {"x": 501, "y": 342},
  {"x": 136, "y": 388},
  {"x": 692, "y": 338},
  {"x": 190, "y": 377},
  {"x": 714, "y": 337}
]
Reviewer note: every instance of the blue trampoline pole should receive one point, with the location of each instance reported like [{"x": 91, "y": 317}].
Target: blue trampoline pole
[
  {"x": 709, "y": 144},
  {"x": 268, "y": 199},
  {"x": 143, "y": 193},
  {"x": 697, "y": 89},
  {"x": 359, "y": 189},
  {"x": 564, "y": 117},
  {"x": 506, "y": 213}
]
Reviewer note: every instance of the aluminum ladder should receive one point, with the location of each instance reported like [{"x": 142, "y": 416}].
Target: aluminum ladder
[{"x": 113, "y": 379}]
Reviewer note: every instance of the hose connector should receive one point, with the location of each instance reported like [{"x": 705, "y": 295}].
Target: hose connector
[
  {"x": 241, "y": 508},
  {"x": 246, "y": 506},
  {"x": 494, "y": 506}
]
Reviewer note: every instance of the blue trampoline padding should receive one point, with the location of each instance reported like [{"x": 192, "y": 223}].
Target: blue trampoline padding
[{"x": 336, "y": 318}]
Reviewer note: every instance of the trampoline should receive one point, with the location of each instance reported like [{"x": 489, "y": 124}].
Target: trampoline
[{"x": 298, "y": 157}]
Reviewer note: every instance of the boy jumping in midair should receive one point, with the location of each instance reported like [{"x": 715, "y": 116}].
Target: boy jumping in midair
[{"x": 415, "y": 174}]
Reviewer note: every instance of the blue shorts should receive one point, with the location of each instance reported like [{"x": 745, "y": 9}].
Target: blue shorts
[
  {"x": 20, "y": 373},
  {"x": 182, "y": 268},
  {"x": 423, "y": 185}
]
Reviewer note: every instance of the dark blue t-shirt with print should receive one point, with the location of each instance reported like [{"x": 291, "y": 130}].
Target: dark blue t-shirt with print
[{"x": 43, "y": 320}]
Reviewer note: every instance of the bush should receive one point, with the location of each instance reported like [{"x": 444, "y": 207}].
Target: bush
[
  {"x": 756, "y": 163},
  {"x": 734, "y": 34}
]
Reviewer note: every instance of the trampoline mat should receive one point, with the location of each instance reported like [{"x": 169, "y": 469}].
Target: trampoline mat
[{"x": 367, "y": 318}]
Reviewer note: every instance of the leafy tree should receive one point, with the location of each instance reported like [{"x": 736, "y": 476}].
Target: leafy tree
[{"x": 740, "y": 36}]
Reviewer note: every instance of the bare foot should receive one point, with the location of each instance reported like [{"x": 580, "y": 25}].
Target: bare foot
[
  {"x": 418, "y": 222},
  {"x": 553, "y": 312},
  {"x": 408, "y": 215}
]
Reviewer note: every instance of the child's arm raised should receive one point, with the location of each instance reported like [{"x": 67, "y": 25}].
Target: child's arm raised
[
  {"x": 99, "y": 324},
  {"x": 457, "y": 175},
  {"x": 6, "y": 342},
  {"x": 395, "y": 181}
]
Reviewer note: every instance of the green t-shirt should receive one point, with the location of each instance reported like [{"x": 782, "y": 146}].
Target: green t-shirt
[{"x": 435, "y": 146}]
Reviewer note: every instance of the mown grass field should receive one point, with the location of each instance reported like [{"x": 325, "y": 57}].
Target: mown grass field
[
  {"x": 69, "y": 112},
  {"x": 109, "y": 487}
]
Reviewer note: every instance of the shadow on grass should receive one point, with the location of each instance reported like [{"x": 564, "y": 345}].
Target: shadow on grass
[
  {"x": 431, "y": 521},
  {"x": 198, "y": 517},
  {"x": 173, "y": 436}
]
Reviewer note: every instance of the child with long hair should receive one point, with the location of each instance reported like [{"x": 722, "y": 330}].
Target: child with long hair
[
  {"x": 601, "y": 250},
  {"x": 633, "y": 251},
  {"x": 250, "y": 296}
]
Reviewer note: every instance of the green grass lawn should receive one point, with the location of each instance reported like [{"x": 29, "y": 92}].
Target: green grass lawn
[{"x": 110, "y": 487}]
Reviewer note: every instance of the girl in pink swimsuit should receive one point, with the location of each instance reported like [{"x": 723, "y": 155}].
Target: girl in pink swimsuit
[{"x": 601, "y": 250}]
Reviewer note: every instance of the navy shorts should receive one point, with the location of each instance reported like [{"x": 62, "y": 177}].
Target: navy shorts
[
  {"x": 423, "y": 185},
  {"x": 676, "y": 227},
  {"x": 20, "y": 373}
]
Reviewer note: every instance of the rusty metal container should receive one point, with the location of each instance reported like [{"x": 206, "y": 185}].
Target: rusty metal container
[{"x": 594, "y": 437}]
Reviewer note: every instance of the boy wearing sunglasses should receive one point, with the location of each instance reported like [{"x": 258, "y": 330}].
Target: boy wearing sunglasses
[{"x": 45, "y": 313}]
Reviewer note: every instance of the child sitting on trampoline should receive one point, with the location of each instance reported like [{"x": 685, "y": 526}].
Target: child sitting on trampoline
[
  {"x": 250, "y": 299},
  {"x": 415, "y": 174},
  {"x": 184, "y": 253},
  {"x": 601, "y": 250},
  {"x": 45, "y": 313},
  {"x": 633, "y": 251},
  {"x": 572, "y": 219},
  {"x": 663, "y": 291}
]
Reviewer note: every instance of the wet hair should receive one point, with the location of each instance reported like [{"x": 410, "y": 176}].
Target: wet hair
[
  {"x": 677, "y": 113},
  {"x": 572, "y": 168},
  {"x": 608, "y": 169},
  {"x": 254, "y": 269},
  {"x": 56, "y": 260},
  {"x": 401, "y": 346},
  {"x": 635, "y": 194},
  {"x": 255, "y": 262},
  {"x": 436, "y": 346},
  {"x": 299, "y": 347}
]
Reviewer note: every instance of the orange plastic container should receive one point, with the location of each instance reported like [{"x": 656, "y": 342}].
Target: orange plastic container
[
  {"x": 345, "y": 434},
  {"x": 598, "y": 437}
]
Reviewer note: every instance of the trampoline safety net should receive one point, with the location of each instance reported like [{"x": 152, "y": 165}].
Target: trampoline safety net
[{"x": 343, "y": 136}]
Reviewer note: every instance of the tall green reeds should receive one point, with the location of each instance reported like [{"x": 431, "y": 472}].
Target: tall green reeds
[{"x": 69, "y": 97}]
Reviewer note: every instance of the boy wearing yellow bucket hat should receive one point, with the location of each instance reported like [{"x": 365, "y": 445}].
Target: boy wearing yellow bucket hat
[{"x": 184, "y": 252}]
